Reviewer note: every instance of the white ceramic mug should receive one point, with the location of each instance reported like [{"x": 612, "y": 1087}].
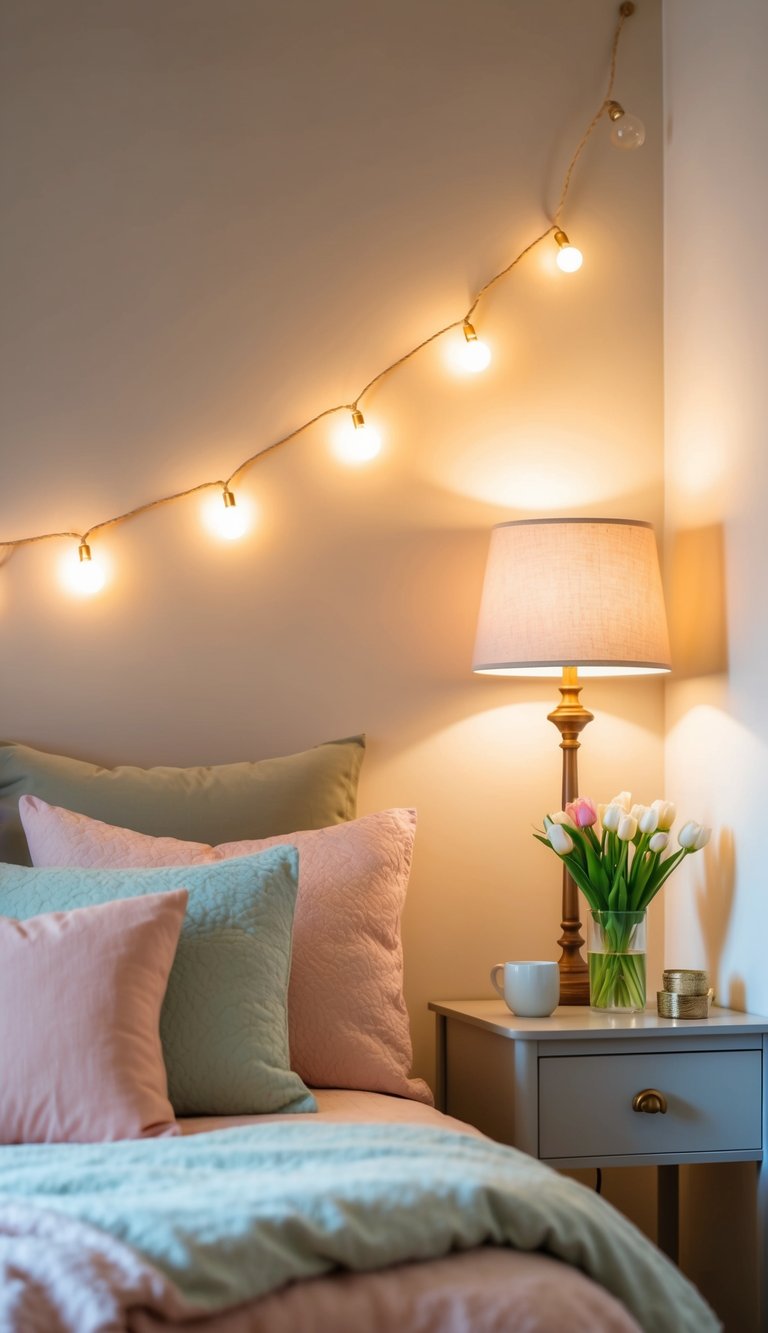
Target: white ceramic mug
[{"x": 530, "y": 990}]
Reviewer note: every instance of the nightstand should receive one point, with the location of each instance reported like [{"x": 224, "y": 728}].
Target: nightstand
[{"x": 585, "y": 1089}]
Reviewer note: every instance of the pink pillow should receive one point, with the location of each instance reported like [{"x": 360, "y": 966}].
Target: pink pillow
[
  {"x": 80, "y": 997},
  {"x": 348, "y": 1023}
]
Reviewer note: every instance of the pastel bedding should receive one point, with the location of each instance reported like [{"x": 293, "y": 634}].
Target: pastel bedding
[
  {"x": 372, "y": 1213},
  {"x": 312, "y": 1223}
]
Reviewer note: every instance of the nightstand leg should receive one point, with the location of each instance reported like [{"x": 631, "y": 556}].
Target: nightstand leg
[
  {"x": 668, "y": 1210},
  {"x": 441, "y": 1072}
]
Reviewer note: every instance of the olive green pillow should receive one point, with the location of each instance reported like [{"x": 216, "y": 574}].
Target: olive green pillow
[{"x": 212, "y": 803}]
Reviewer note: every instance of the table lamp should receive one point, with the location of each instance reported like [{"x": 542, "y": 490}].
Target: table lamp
[{"x": 563, "y": 596}]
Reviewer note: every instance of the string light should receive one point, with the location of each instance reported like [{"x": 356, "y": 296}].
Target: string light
[
  {"x": 362, "y": 442},
  {"x": 358, "y": 442},
  {"x": 232, "y": 520},
  {"x": 569, "y": 258},
  {"x": 227, "y": 517},
  {"x": 474, "y": 355},
  {"x": 627, "y": 132},
  {"x": 80, "y": 573}
]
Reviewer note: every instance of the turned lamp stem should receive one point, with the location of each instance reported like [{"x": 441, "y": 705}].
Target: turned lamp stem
[{"x": 571, "y": 717}]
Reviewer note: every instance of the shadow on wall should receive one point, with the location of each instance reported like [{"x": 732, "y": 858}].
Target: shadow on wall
[
  {"x": 696, "y": 602},
  {"x": 714, "y": 903}
]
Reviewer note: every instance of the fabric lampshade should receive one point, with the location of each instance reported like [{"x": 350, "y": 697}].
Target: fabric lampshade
[{"x": 572, "y": 592}]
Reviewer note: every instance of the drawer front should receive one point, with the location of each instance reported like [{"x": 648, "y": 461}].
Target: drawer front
[{"x": 714, "y": 1103}]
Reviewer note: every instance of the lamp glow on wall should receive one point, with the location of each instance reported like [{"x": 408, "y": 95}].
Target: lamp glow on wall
[{"x": 563, "y": 596}]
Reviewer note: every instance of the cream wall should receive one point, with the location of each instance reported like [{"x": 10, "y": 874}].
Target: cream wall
[
  {"x": 222, "y": 216},
  {"x": 716, "y": 295},
  {"x": 717, "y": 478}
]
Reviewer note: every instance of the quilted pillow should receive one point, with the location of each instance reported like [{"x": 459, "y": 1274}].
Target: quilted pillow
[
  {"x": 248, "y": 800},
  {"x": 223, "y": 1024},
  {"x": 80, "y": 997},
  {"x": 347, "y": 1018}
]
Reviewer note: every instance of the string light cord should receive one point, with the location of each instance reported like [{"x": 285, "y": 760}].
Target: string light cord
[
  {"x": 285, "y": 439},
  {"x": 497, "y": 277},
  {"x": 626, "y": 9},
  {"x": 149, "y": 504}
]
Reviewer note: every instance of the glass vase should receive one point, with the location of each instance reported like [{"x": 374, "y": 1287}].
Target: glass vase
[{"x": 616, "y": 947}]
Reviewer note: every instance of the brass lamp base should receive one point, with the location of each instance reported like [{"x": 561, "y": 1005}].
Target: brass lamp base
[
  {"x": 574, "y": 973},
  {"x": 571, "y": 717}
]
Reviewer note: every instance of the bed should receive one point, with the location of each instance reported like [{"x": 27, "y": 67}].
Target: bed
[{"x": 208, "y": 1118}]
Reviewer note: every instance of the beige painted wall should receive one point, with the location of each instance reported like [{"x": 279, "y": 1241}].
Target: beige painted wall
[
  {"x": 716, "y": 295},
  {"x": 222, "y": 216}
]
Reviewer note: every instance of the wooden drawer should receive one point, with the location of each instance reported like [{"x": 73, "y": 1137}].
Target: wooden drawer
[{"x": 713, "y": 1099}]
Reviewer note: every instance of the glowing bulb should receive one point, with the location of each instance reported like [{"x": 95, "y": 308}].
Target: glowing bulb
[
  {"x": 81, "y": 574},
  {"x": 474, "y": 355},
  {"x": 228, "y": 520},
  {"x": 359, "y": 442},
  {"x": 627, "y": 131},
  {"x": 569, "y": 259},
  {"x": 232, "y": 521}
]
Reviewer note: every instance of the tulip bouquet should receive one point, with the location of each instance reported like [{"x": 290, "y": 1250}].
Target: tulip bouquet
[{"x": 618, "y": 855}]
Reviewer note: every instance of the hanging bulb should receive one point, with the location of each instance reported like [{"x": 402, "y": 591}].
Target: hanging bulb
[
  {"x": 359, "y": 442},
  {"x": 81, "y": 574},
  {"x": 474, "y": 355},
  {"x": 89, "y": 572},
  {"x": 569, "y": 259},
  {"x": 232, "y": 521},
  {"x": 226, "y": 518},
  {"x": 627, "y": 131}
]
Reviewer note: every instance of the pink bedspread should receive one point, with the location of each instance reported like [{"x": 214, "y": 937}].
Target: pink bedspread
[{"x": 60, "y": 1276}]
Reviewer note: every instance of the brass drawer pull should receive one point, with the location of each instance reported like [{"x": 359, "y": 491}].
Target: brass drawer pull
[{"x": 651, "y": 1101}]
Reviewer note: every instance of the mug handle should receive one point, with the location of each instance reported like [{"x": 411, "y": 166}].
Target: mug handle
[{"x": 499, "y": 988}]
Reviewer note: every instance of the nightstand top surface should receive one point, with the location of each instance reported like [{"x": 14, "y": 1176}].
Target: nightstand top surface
[{"x": 578, "y": 1022}]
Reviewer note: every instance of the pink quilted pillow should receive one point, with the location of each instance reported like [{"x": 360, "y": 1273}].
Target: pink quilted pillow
[
  {"x": 80, "y": 998},
  {"x": 348, "y": 1023}
]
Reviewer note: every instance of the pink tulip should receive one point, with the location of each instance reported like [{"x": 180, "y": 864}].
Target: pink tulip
[{"x": 582, "y": 811}]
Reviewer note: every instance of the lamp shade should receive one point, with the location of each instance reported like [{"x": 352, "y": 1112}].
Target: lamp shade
[{"x": 582, "y": 592}]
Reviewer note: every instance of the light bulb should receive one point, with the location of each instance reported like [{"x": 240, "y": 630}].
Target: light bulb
[
  {"x": 81, "y": 574},
  {"x": 226, "y": 518},
  {"x": 359, "y": 442},
  {"x": 232, "y": 521},
  {"x": 569, "y": 259},
  {"x": 627, "y": 132},
  {"x": 474, "y": 355}
]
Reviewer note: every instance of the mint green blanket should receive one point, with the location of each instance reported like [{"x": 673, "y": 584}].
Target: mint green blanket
[{"x": 236, "y": 1213}]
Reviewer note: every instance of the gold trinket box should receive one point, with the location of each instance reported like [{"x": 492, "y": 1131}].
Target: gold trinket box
[
  {"x": 683, "y": 981},
  {"x": 670, "y": 1004}
]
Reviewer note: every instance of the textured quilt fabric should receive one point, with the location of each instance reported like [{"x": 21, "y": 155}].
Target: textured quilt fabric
[
  {"x": 58, "y": 1275},
  {"x": 223, "y": 1023},
  {"x": 237, "y": 1213}
]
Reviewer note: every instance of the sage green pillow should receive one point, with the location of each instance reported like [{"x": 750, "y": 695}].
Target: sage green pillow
[
  {"x": 223, "y": 1025},
  {"x": 218, "y": 803}
]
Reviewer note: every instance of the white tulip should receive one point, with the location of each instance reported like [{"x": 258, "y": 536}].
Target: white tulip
[
  {"x": 693, "y": 836},
  {"x": 638, "y": 811},
  {"x": 667, "y": 814},
  {"x": 627, "y": 828},
  {"x": 624, "y": 801},
  {"x": 648, "y": 822},
  {"x": 658, "y": 842},
  {"x": 611, "y": 816},
  {"x": 560, "y": 817},
  {"x": 560, "y": 839}
]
